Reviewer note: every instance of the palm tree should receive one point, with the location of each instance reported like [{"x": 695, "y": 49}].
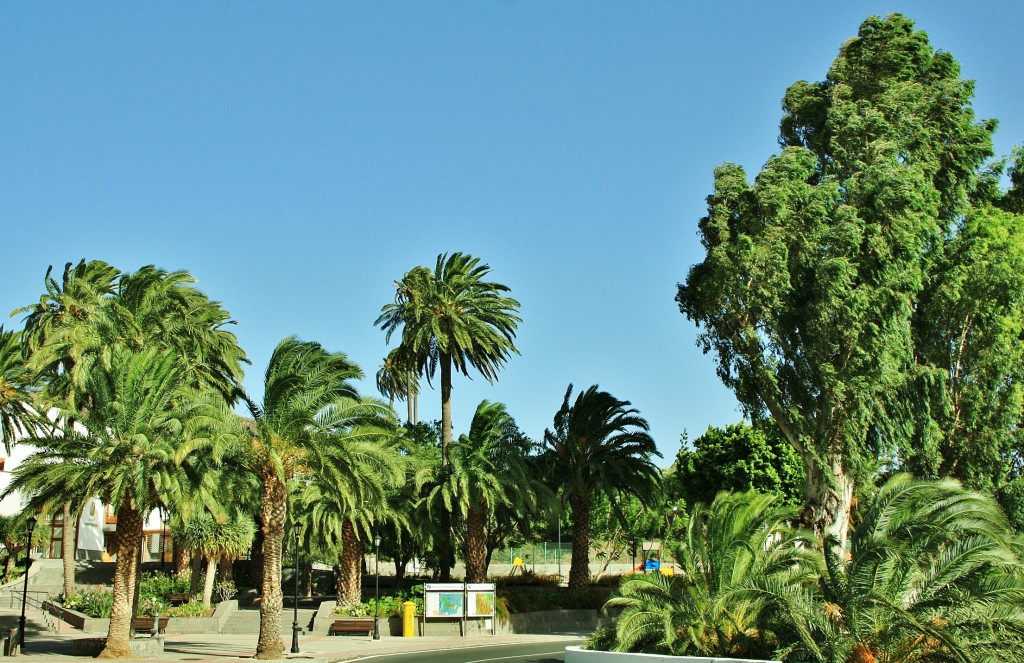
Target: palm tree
[
  {"x": 486, "y": 470},
  {"x": 598, "y": 445},
  {"x": 740, "y": 562},
  {"x": 346, "y": 498},
  {"x": 933, "y": 574},
  {"x": 17, "y": 391},
  {"x": 133, "y": 457},
  {"x": 291, "y": 431},
  {"x": 94, "y": 309},
  {"x": 452, "y": 317},
  {"x": 396, "y": 379},
  {"x": 217, "y": 538}
]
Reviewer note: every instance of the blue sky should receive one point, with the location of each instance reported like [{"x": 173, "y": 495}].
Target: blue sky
[{"x": 298, "y": 158}]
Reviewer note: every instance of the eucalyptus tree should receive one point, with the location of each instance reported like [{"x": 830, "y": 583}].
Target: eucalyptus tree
[
  {"x": 742, "y": 563},
  {"x": 970, "y": 361},
  {"x": 486, "y": 470},
  {"x": 144, "y": 431},
  {"x": 305, "y": 386},
  {"x": 349, "y": 503},
  {"x": 598, "y": 444},
  {"x": 813, "y": 272}
]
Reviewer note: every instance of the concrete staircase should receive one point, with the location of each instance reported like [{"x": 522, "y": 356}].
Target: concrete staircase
[
  {"x": 49, "y": 577},
  {"x": 247, "y": 620}
]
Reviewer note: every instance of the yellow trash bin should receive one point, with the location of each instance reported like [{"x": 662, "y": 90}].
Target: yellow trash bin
[{"x": 408, "y": 619}]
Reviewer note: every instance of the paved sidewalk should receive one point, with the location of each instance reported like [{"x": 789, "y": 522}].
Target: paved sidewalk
[{"x": 224, "y": 648}]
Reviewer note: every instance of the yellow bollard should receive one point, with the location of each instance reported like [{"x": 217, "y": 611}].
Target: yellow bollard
[{"x": 409, "y": 619}]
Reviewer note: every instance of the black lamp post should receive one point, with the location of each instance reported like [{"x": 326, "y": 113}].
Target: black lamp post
[
  {"x": 31, "y": 525},
  {"x": 295, "y": 619},
  {"x": 376, "y": 591}
]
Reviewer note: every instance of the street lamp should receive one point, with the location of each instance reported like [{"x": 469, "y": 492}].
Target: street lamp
[
  {"x": 295, "y": 619},
  {"x": 376, "y": 591},
  {"x": 31, "y": 525}
]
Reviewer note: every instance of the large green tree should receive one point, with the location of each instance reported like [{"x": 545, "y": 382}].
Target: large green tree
[
  {"x": 451, "y": 317},
  {"x": 290, "y": 434},
  {"x": 17, "y": 391},
  {"x": 145, "y": 432},
  {"x": 738, "y": 458},
  {"x": 813, "y": 271},
  {"x": 486, "y": 470},
  {"x": 597, "y": 444},
  {"x": 967, "y": 401}
]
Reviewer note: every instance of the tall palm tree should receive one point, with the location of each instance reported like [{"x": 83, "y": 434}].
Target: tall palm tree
[
  {"x": 740, "y": 561},
  {"x": 133, "y": 457},
  {"x": 598, "y": 445},
  {"x": 933, "y": 574},
  {"x": 396, "y": 380},
  {"x": 486, "y": 470},
  {"x": 95, "y": 309},
  {"x": 451, "y": 317},
  {"x": 304, "y": 388}
]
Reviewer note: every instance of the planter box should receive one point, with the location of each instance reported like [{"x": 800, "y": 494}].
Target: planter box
[
  {"x": 178, "y": 625},
  {"x": 577, "y": 655}
]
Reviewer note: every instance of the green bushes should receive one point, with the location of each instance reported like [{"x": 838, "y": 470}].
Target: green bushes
[
  {"x": 931, "y": 573},
  {"x": 91, "y": 601}
]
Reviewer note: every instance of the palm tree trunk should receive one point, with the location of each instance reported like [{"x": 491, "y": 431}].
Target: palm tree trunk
[
  {"x": 579, "y": 568},
  {"x": 197, "y": 570},
  {"x": 129, "y": 541},
  {"x": 446, "y": 407},
  {"x": 409, "y": 398},
  {"x": 274, "y": 512},
  {"x": 226, "y": 568},
  {"x": 476, "y": 547},
  {"x": 350, "y": 573},
  {"x": 67, "y": 549},
  {"x": 181, "y": 558},
  {"x": 211, "y": 572},
  {"x": 444, "y": 545}
]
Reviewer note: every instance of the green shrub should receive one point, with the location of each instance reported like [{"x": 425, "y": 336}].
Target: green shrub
[
  {"x": 193, "y": 608},
  {"x": 225, "y": 589},
  {"x": 151, "y": 606},
  {"x": 159, "y": 584},
  {"x": 530, "y": 578},
  {"x": 355, "y": 610},
  {"x": 90, "y": 601}
]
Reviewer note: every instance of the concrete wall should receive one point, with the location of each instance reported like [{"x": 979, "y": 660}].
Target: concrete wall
[{"x": 577, "y": 655}]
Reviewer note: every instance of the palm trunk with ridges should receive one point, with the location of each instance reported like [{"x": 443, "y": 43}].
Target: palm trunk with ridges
[
  {"x": 350, "y": 576},
  {"x": 444, "y": 547},
  {"x": 67, "y": 547},
  {"x": 273, "y": 513},
  {"x": 476, "y": 546},
  {"x": 579, "y": 569},
  {"x": 129, "y": 541},
  {"x": 181, "y": 558}
]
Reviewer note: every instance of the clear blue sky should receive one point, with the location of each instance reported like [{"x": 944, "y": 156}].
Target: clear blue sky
[{"x": 298, "y": 158}]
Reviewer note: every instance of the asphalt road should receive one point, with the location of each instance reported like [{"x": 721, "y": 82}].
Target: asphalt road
[{"x": 539, "y": 652}]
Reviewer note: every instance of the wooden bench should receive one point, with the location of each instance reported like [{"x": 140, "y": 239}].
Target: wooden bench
[
  {"x": 355, "y": 625},
  {"x": 177, "y": 598},
  {"x": 145, "y": 624}
]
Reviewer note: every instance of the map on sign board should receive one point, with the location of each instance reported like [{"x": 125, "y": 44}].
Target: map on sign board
[{"x": 444, "y": 601}]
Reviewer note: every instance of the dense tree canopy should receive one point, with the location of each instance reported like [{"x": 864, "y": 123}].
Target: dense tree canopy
[
  {"x": 813, "y": 271},
  {"x": 739, "y": 458}
]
